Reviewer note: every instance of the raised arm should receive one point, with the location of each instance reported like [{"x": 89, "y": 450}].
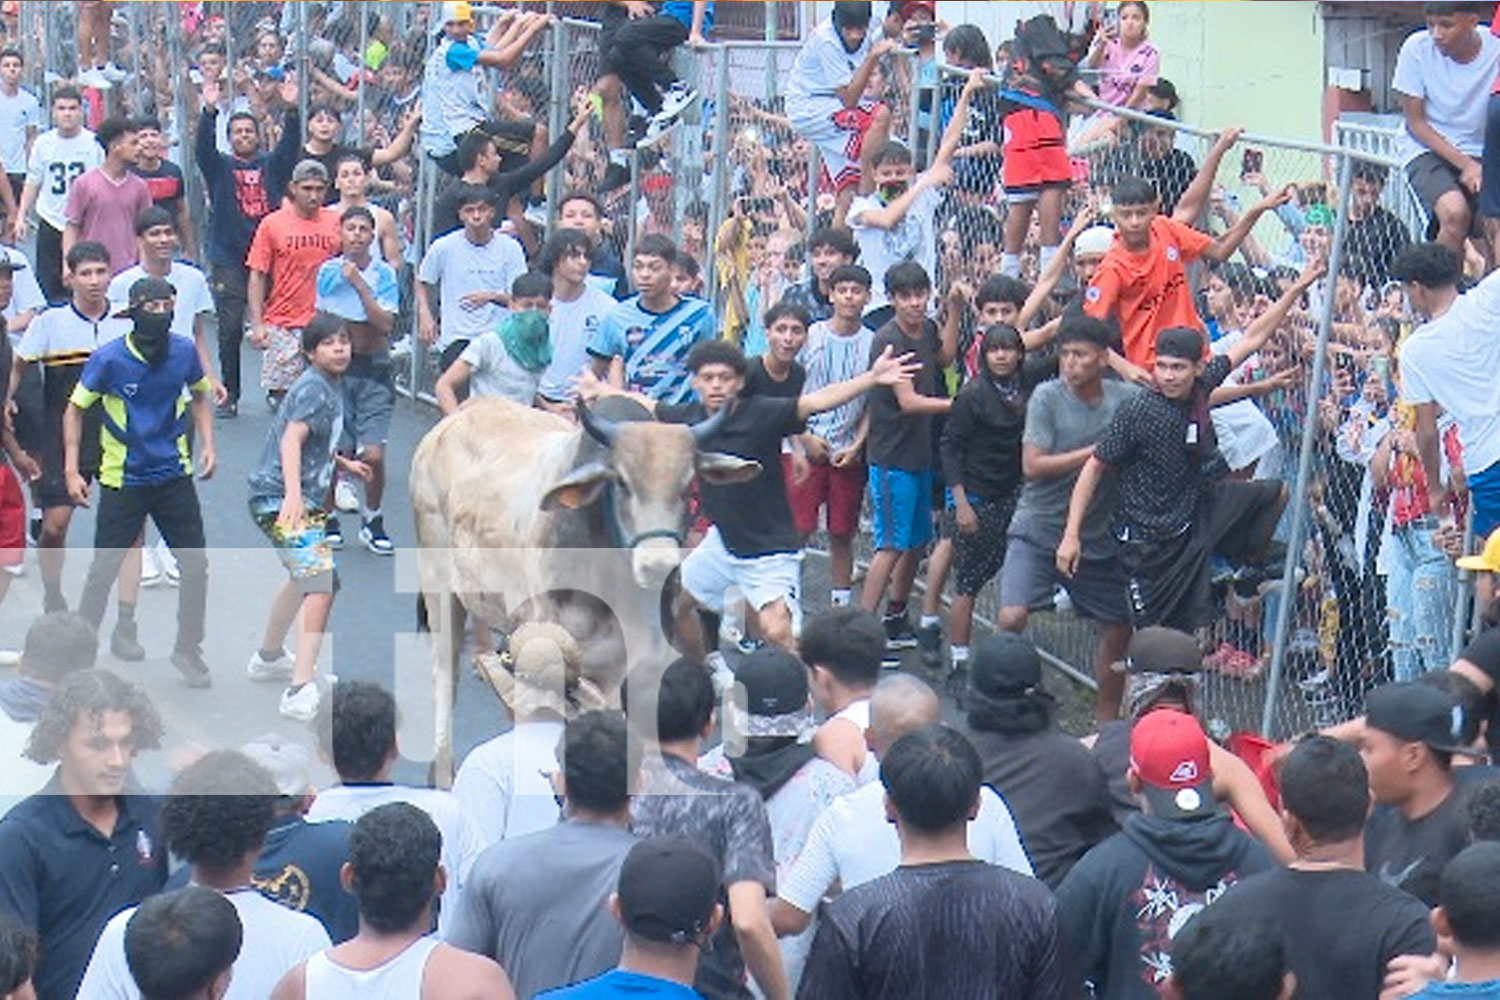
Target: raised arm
[
  {"x": 1224, "y": 247},
  {"x": 1190, "y": 206},
  {"x": 851, "y": 93},
  {"x": 888, "y": 370},
  {"x": 1270, "y": 321},
  {"x": 1056, "y": 268}
]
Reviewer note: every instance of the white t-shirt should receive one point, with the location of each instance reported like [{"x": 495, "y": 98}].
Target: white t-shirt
[
  {"x": 821, "y": 68},
  {"x": 830, "y": 357},
  {"x": 460, "y": 847},
  {"x": 1456, "y": 94},
  {"x": 1246, "y": 435},
  {"x": 852, "y": 843},
  {"x": 1454, "y": 361},
  {"x": 857, "y": 712},
  {"x": 913, "y": 238},
  {"x": 26, "y": 294},
  {"x": 276, "y": 940},
  {"x": 460, "y": 268},
  {"x": 18, "y": 115},
  {"x": 574, "y": 326},
  {"x": 193, "y": 297},
  {"x": 55, "y": 164},
  {"x": 495, "y": 373},
  {"x": 502, "y": 785}
]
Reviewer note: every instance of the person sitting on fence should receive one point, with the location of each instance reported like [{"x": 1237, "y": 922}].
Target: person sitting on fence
[
  {"x": 635, "y": 49},
  {"x": 825, "y": 99}
]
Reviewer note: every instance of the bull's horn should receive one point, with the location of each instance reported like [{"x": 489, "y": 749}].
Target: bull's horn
[
  {"x": 706, "y": 428},
  {"x": 601, "y": 429}
]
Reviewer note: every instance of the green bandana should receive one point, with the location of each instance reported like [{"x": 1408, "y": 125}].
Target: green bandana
[
  {"x": 527, "y": 339},
  {"x": 1319, "y": 215}
]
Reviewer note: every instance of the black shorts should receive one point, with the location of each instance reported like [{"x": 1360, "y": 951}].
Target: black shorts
[
  {"x": 977, "y": 558},
  {"x": 1432, "y": 177},
  {"x": 1489, "y": 192}
]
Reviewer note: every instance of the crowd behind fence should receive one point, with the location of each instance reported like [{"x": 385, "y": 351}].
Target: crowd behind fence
[{"x": 741, "y": 193}]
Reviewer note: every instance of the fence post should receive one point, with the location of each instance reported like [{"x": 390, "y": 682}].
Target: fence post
[
  {"x": 717, "y": 211},
  {"x": 304, "y": 79},
  {"x": 1463, "y": 591},
  {"x": 814, "y": 182},
  {"x": 559, "y": 111},
  {"x": 632, "y": 207},
  {"x": 1297, "y": 533},
  {"x": 138, "y": 39},
  {"x": 361, "y": 68}
]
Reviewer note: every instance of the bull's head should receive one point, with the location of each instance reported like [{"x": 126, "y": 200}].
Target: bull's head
[{"x": 646, "y": 476}]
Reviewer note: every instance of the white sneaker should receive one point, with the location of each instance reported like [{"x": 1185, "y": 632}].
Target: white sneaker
[
  {"x": 168, "y": 563},
  {"x": 17, "y": 571},
  {"x": 113, "y": 73},
  {"x": 718, "y": 669},
  {"x": 151, "y": 569},
  {"x": 302, "y": 706},
  {"x": 279, "y": 669},
  {"x": 95, "y": 79},
  {"x": 678, "y": 98},
  {"x": 10, "y": 658},
  {"x": 344, "y": 497}
]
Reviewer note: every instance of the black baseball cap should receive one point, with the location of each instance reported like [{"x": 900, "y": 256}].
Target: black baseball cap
[
  {"x": 1004, "y": 665},
  {"x": 776, "y": 695},
  {"x": 1417, "y": 713},
  {"x": 1160, "y": 650},
  {"x": 668, "y": 888},
  {"x": 147, "y": 289}
]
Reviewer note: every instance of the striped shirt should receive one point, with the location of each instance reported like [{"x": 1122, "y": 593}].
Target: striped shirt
[
  {"x": 61, "y": 340},
  {"x": 831, "y": 357},
  {"x": 654, "y": 346}
]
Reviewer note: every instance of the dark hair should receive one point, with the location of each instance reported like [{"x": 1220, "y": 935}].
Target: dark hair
[
  {"x": 17, "y": 941},
  {"x": 893, "y": 153},
  {"x": 57, "y": 645},
  {"x": 967, "y": 42},
  {"x": 1449, "y": 9},
  {"x": 587, "y": 196},
  {"x": 657, "y": 245},
  {"x": 66, "y": 93},
  {"x": 323, "y": 326},
  {"x": 932, "y": 777},
  {"x": 111, "y": 129},
  {"x": 245, "y": 116},
  {"x": 148, "y": 123},
  {"x": 559, "y": 243},
  {"x": 470, "y": 148},
  {"x": 717, "y": 352},
  {"x": 847, "y": 642},
  {"x": 1133, "y": 191},
  {"x": 784, "y": 309},
  {"x": 836, "y": 238},
  {"x": 1469, "y": 893},
  {"x": 1002, "y": 288},
  {"x": 1081, "y": 328},
  {"x": 684, "y": 701},
  {"x": 907, "y": 276},
  {"x": 1240, "y": 278},
  {"x": 1372, "y": 173},
  {"x": 152, "y": 217},
  {"x": 220, "y": 808},
  {"x": 1324, "y": 784},
  {"x": 87, "y": 252},
  {"x": 11, "y": 52},
  {"x": 394, "y": 850},
  {"x": 852, "y": 13},
  {"x": 1224, "y": 955},
  {"x": 1139, "y": 5},
  {"x": 357, "y": 212},
  {"x": 208, "y": 49},
  {"x": 1001, "y": 335},
  {"x": 1484, "y": 811},
  {"x": 1465, "y": 694},
  {"x": 361, "y": 735},
  {"x": 532, "y": 285},
  {"x": 1430, "y": 265},
  {"x": 845, "y": 273},
  {"x": 596, "y": 754},
  {"x": 178, "y": 943},
  {"x": 323, "y": 108},
  {"x": 688, "y": 265},
  {"x": 465, "y": 195},
  {"x": 92, "y": 693},
  {"x": 350, "y": 156},
  {"x": 1165, "y": 90}
]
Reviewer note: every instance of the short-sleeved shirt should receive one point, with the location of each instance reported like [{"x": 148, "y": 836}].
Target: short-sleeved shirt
[
  {"x": 574, "y": 325},
  {"x": 165, "y": 184},
  {"x": 55, "y": 166},
  {"x": 1148, "y": 292},
  {"x": 193, "y": 296},
  {"x": 621, "y": 985},
  {"x": 1125, "y": 69},
  {"x": 1159, "y": 448},
  {"x": 289, "y": 249},
  {"x": 317, "y": 401},
  {"x": 461, "y": 268},
  {"x": 913, "y": 238},
  {"x": 61, "y": 340},
  {"x": 822, "y": 67},
  {"x": 760, "y": 382},
  {"x": 831, "y": 357},
  {"x": 502, "y": 785},
  {"x": 899, "y": 440},
  {"x": 105, "y": 210},
  {"x": 1455, "y": 95},
  {"x": 19, "y": 114},
  {"x": 337, "y": 296},
  {"x": 725, "y": 818},
  {"x": 753, "y": 517},
  {"x": 655, "y": 346},
  {"x": 1409, "y": 854},
  {"x": 454, "y": 95},
  {"x": 64, "y": 879},
  {"x": 144, "y": 424},
  {"x": 493, "y": 372}
]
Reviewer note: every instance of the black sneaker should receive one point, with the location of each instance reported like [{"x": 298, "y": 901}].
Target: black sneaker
[
  {"x": 890, "y": 659},
  {"x": 333, "y": 533},
  {"x": 898, "y": 633},
  {"x": 372, "y": 534},
  {"x": 189, "y": 663},
  {"x": 227, "y": 410},
  {"x": 958, "y": 684},
  {"x": 616, "y": 176},
  {"x": 930, "y": 646},
  {"x": 35, "y": 529},
  {"x": 123, "y": 644}
]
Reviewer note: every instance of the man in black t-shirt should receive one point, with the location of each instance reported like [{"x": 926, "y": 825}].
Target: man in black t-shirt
[
  {"x": 1325, "y": 796},
  {"x": 752, "y": 544}
]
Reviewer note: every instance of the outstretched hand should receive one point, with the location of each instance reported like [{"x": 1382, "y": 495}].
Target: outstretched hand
[{"x": 889, "y": 369}]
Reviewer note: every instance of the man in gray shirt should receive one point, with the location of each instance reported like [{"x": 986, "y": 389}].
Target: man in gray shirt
[
  {"x": 538, "y": 904},
  {"x": 1064, "y": 420}
]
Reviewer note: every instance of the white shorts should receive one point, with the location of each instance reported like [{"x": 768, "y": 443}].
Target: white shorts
[{"x": 711, "y": 569}]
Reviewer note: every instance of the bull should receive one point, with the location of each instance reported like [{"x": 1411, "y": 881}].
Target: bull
[{"x": 519, "y": 509}]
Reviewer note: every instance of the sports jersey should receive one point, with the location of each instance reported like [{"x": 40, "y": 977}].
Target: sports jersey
[
  {"x": 290, "y": 249},
  {"x": 574, "y": 325},
  {"x": 144, "y": 421},
  {"x": 193, "y": 297},
  {"x": 57, "y": 162},
  {"x": 337, "y": 296},
  {"x": 61, "y": 340},
  {"x": 1148, "y": 292},
  {"x": 165, "y": 183},
  {"x": 654, "y": 346}
]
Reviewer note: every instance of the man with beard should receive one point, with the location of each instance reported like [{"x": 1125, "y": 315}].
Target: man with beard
[{"x": 146, "y": 466}]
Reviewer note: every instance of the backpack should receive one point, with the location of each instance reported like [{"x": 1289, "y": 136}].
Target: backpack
[{"x": 1045, "y": 57}]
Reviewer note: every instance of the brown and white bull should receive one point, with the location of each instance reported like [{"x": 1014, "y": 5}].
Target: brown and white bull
[{"x": 514, "y": 505}]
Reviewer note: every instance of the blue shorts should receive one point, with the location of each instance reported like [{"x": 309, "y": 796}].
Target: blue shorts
[
  {"x": 902, "y": 502},
  {"x": 1484, "y": 493}
]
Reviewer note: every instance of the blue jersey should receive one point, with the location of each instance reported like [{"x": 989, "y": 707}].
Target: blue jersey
[
  {"x": 682, "y": 10},
  {"x": 654, "y": 346}
]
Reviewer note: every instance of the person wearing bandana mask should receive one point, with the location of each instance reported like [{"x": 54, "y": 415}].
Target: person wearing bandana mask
[{"x": 147, "y": 467}]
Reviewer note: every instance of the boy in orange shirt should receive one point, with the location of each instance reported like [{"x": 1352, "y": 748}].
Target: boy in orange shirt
[{"x": 1142, "y": 282}]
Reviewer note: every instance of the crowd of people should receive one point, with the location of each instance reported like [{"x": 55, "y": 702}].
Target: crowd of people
[{"x": 1052, "y": 358}]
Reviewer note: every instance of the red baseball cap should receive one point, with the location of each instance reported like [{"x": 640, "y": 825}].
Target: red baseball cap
[
  {"x": 1169, "y": 752},
  {"x": 910, "y": 7}
]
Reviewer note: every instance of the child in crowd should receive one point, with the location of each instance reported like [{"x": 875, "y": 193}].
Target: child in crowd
[{"x": 509, "y": 361}]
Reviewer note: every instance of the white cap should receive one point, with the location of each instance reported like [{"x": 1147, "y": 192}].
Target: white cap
[{"x": 1095, "y": 240}]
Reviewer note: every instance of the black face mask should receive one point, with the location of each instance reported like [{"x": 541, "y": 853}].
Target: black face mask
[{"x": 151, "y": 336}]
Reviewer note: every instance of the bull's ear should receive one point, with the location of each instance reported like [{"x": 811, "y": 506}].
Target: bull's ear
[
  {"x": 718, "y": 469},
  {"x": 579, "y": 488}
]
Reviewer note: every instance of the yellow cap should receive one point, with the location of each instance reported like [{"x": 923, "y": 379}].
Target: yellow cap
[
  {"x": 457, "y": 10},
  {"x": 1487, "y": 561}
]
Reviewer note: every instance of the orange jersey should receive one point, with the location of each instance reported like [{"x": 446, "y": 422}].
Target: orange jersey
[{"x": 1148, "y": 292}]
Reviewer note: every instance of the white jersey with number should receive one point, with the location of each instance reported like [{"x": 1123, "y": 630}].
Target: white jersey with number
[{"x": 56, "y": 163}]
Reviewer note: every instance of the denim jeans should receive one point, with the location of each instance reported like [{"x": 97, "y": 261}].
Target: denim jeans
[{"x": 1421, "y": 591}]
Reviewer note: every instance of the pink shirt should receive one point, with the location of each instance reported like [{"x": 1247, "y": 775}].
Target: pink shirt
[
  {"x": 105, "y": 212},
  {"x": 1122, "y": 71}
]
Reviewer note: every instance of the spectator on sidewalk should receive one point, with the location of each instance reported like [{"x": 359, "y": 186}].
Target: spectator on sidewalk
[
  {"x": 104, "y": 204},
  {"x": 59, "y": 157},
  {"x": 20, "y": 121}
]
